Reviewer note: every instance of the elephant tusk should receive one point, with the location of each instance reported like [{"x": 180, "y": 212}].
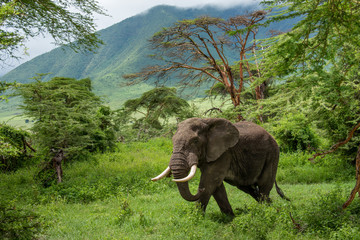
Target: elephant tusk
[
  {"x": 162, "y": 175},
  {"x": 190, "y": 176}
]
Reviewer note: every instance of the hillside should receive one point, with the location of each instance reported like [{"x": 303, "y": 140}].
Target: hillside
[{"x": 125, "y": 51}]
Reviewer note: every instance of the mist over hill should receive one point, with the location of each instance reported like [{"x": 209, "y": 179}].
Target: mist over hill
[{"x": 125, "y": 51}]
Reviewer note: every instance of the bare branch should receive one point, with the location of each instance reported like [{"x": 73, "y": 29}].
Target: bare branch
[{"x": 337, "y": 145}]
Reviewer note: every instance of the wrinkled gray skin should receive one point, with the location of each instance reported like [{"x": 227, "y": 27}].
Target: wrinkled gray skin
[{"x": 242, "y": 154}]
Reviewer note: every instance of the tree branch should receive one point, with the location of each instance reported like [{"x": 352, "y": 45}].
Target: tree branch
[{"x": 337, "y": 145}]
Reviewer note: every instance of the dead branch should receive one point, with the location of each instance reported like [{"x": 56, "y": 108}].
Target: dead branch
[
  {"x": 212, "y": 109},
  {"x": 337, "y": 145},
  {"x": 29, "y": 146},
  {"x": 296, "y": 225},
  {"x": 356, "y": 189}
]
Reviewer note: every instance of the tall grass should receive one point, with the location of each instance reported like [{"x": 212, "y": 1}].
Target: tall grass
[{"x": 111, "y": 197}]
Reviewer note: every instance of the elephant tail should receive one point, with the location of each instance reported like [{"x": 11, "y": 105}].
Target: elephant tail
[{"x": 280, "y": 192}]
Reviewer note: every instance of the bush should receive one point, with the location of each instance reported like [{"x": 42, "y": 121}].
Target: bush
[
  {"x": 327, "y": 217},
  {"x": 13, "y": 148},
  {"x": 294, "y": 132},
  {"x": 261, "y": 221},
  {"x": 18, "y": 223}
]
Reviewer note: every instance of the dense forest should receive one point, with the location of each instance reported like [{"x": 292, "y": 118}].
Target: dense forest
[{"x": 82, "y": 168}]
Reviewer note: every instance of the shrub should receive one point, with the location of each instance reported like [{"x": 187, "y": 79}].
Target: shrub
[
  {"x": 294, "y": 132},
  {"x": 327, "y": 217},
  {"x": 260, "y": 221},
  {"x": 18, "y": 223},
  {"x": 13, "y": 148}
]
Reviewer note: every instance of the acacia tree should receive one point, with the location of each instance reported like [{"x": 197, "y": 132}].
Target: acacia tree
[
  {"x": 155, "y": 106},
  {"x": 67, "y": 116},
  {"x": 321, "y": 57},
  {"x": 197, "y": 51},
  {"x": 243, "y": 31}
]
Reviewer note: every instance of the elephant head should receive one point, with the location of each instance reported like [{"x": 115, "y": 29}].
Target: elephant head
[{"x": 197, "y": 142}]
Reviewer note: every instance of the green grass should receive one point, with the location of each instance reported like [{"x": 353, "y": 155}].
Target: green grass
[{"x": 111, "y": 197}]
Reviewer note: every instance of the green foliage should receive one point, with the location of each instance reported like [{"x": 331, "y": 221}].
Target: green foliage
[
  {"x": 124, "y": 213},
  {"x": 13, "y": 149},
  {"x": 326, "y": 217},
  {"x": 218, "y": 89},
  {"x": 44, "y": 16},
  {"x": 150, "y": 114},
  {"x": 320, "y": 35},
  {"x": 334, "y": 104},
  {"x": 319, "y": 61},
  {"x": 263, "y": 221},
  {"x": 156, "y": 104},
  {"x": 5, "y": 86},
  {"x": 68, "y": 116},
  {"x": 119, "y": 173},
  {"x": 293, "y": 132},
  {"x": 18, "y": 223}
]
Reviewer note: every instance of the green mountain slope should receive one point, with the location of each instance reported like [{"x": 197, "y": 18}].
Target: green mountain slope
[{"x": 124, "y": 52}]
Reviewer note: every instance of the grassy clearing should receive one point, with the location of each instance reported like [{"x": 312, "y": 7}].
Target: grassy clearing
[
  {"x": 111, "y": 197},
  {"x": 167, "y": 216}
]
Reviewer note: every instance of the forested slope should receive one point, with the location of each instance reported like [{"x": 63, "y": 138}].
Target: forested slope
[{"x": 125, "y": 51}]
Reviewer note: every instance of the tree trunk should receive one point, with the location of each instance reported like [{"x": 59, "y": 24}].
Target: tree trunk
[{"x": 357, "y": 184}]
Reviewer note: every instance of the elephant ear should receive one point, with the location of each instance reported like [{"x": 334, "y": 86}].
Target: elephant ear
[{"x": 221, "y": 135}]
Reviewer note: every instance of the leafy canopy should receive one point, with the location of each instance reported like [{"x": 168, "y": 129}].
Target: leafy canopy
[
  {"x": 156, "y": 104},
  {"x": 327, "y": 31},
  {"x": 320, "y": 57},
  {"x": 67, "y": 116},
  {"x": 68, "y": 22},
  {"x": 319, "y": 60}
]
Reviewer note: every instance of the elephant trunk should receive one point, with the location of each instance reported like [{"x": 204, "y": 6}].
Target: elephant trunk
[{"x": 179, "y": 168}]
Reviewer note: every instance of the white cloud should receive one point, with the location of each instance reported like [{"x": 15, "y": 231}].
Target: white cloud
[{"x": 120, "y": 10}]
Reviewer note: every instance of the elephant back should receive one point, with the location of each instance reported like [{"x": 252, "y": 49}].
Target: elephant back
[{"x": 252, "y": 133}]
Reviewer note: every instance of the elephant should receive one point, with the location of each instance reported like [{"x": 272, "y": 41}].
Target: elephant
[{"x": 242, "y": 154}]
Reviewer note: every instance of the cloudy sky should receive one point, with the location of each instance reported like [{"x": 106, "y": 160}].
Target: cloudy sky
[{"x": 118, "y": 11}]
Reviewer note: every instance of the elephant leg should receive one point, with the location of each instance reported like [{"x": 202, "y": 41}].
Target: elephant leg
[
  {"x": 211, "y": 180},
  {"x": 204, "y": 200},
  {"x": 265, "y": 192},
  {"x": 206, "y": 194},
  {"x": 252, "y": 191},
  {"x": 266, "y": 183},
  {"x": 210, "y": 186},
  {"x": 222, "y": 200}
]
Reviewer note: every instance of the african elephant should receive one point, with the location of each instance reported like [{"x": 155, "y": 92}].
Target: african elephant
[{"x": 242, "y": 154}]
